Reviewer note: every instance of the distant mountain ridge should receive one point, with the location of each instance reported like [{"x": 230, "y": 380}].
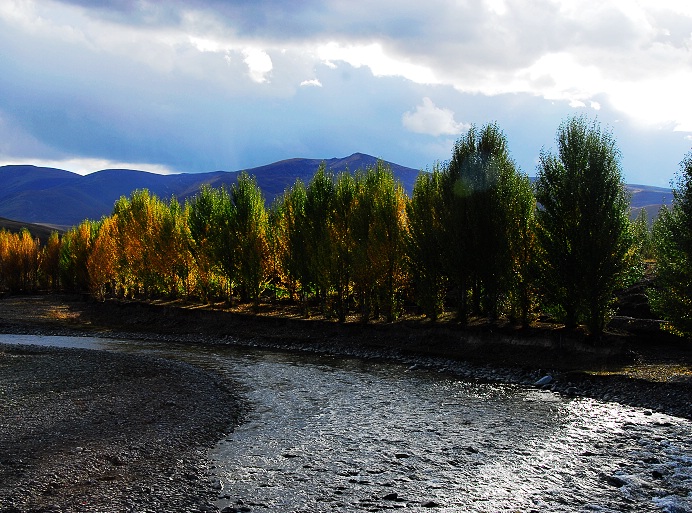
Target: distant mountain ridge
[{"x": 63, "y": 198}]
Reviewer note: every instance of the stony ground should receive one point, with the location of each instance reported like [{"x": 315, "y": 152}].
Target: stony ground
[
  {"x": 94, "y": 431},
  {"x": 100, "y": 432}
]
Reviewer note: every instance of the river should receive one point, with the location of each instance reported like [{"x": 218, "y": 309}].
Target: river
[{"x": 339, "y": 434}]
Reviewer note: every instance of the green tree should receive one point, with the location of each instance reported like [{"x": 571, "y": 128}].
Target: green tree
[
  {"x": 583, "y": 225},
  {"x": 483, "y": 193},
  {"x": 205, "y": 235},
  {"x": 425, "y": 242},
  {"x": 281, "y": 222},
  {"x": 672, "y": 239},
  {"x": 341, "y": 240},
  {"x": 319, "y": 203},
  {"x": 295, "y": 259},
  {"x": 642, "y": 235},
  {"x": 379, "y": 225},
  {"x": 520, "y": 209},
  {"x": 248, "y": 223},
  {"x": 74, "y": 256}
]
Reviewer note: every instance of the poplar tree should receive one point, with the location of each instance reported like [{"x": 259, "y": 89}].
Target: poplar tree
[
  {"x": 379, "y": 225},
  {"x": 248, "y": 227},
  {"x": 425, "y": 242},
  {"x": 205, "y": 234},
  {"x": 672, "y": 240},
  {"x": 50, "y": 261},
  {"x": 102, "y": 263},
  {"x": 74, "y": 255},
  {"x": 479, "y": 186},
  {"x": 342, "y": 242},
  {"x": 319, "y": 203},
  {"x": 583, "y": 224}
]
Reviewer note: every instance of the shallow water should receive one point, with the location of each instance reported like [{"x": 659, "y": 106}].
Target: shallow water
[{"x": 336, "y": 434}]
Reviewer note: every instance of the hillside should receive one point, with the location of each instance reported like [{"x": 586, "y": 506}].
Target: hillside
[
  {"x": 36, "y": 230},
  {"x": 57, "y": 197},
  {"x": 61, "y": 198}
]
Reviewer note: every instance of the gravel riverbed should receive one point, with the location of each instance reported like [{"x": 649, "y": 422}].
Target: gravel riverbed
[{"x": 95, "y": 431}]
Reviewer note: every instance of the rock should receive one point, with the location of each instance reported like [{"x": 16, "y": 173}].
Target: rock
[
  {"x": 401, "y": 455},
  {"x": 615, "y": 481},
  {"x": 545, "y": 380},
  {"x": 430, "y": 504},
  {"x": 571, "y": 391},
  {"x": 391, "y": 497}
]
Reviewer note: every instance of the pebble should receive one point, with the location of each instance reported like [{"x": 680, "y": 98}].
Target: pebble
[{"x": 545, "y": 380}]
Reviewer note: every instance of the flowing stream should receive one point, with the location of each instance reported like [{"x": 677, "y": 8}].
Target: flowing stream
[{"x": 339, "y": 434}]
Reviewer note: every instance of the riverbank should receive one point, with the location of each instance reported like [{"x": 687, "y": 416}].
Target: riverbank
[
  {"x": 643, "y": 367},
  {"x": 95, "y": 431}
]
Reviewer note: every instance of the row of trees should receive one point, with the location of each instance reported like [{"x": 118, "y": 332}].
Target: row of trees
[
  {"x": 475, "y": 236},
  {"x": 25, "y": 265}
]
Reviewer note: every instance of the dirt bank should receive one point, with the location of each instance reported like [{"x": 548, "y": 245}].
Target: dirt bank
[{"x": 643, "y": 368}]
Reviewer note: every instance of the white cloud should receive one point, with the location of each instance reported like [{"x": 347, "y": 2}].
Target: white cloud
[
  {"x": 85, "y": 166},
  {"x": 259, "y": 64},
  {"x": 311, "y": 83},
  {"x": 432, "y": 120},
  {"x": 374, "y": 56},
  {"x": 497, "y": 6}
]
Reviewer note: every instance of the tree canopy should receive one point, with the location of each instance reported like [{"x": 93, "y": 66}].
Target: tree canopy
[{"x": 583, "y": 226}]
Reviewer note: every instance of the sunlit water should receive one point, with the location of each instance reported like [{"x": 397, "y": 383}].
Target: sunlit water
[{"x": 334, "y": 434}]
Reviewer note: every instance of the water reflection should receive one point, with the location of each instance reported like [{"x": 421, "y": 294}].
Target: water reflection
[{"x": 334, "y": 434}]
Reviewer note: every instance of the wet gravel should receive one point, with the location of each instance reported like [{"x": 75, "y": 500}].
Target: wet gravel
[
  {"x": 95, "y": 431},
  {"x": 327, "y": 433},
  {"x": 154, "y": 457}
]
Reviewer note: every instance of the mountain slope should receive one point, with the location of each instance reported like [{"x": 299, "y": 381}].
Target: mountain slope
[
  {"x": 57, "y": 197},
  {"x": 45, "y": 195}
]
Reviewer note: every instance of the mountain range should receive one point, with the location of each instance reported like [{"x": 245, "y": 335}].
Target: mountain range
[{"x": 61, "y": 199}]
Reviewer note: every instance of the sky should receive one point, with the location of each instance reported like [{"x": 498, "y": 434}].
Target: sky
[{"x": 205, "y": 85}]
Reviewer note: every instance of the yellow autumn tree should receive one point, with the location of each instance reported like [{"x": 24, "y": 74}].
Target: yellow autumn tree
[
  {"x": 49, "y": 262},
  {"x": 102, "y": 261}
]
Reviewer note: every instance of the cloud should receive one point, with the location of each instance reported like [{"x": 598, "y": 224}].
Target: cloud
[
  {"x": 84, "y": 166},
  {"x": 430, "y": 119},
  {"x": 311, "y": 83},
  {"x": 375, "y": 57},
  {"x": 259, "y": 64},
  {"x": 199, "y": 84}
]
